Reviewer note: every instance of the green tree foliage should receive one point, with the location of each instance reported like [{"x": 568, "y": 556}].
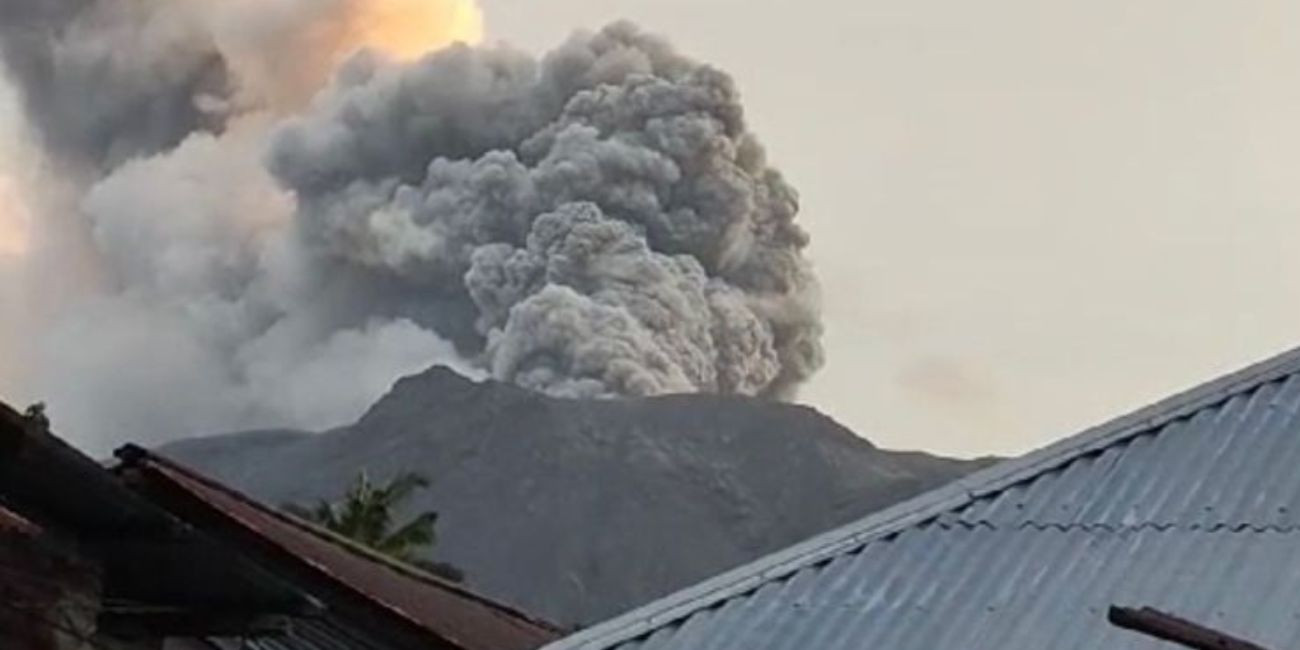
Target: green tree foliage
[{"x": 365, "y": 515}]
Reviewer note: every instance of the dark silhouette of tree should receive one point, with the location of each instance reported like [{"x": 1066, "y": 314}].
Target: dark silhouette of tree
[
  {"x": 37, "y": 416},
  {"x": 365, "y": 515}
]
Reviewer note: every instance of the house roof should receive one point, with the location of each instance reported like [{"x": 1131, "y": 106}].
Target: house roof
[
  {"x": 150, "y": 561},
  {"x": 334, "y": 568},
  {"x": 1191, "y": 506},
  {"x": 15, "y": 524}
]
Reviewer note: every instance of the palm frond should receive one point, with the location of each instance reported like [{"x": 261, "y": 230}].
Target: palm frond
[
  {"x": 416, "y": 534},
  {"x": 365, "y": 515},
  {"x": 402, "y": 487}
]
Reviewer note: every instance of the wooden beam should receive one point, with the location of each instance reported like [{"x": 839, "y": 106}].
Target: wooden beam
[{"x": 1168, "y": 627}]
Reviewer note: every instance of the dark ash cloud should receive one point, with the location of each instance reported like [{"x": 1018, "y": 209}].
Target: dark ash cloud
[
  {"x": 615, "y": 227},
  {"x": 597, "y": 222}
]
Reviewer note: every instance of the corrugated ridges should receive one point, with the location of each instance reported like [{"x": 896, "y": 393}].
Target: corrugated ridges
[
  {"x": 1229, "y": 465},
  {"x": 1188, "y": 505},
  {"x": 962, "y": 587}
]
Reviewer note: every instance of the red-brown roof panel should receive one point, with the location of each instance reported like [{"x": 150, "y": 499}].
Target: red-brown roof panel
[{"x": 448, "y": 611}]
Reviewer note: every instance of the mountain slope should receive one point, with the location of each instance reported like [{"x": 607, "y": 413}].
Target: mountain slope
[{"x": 577, "y": 510}]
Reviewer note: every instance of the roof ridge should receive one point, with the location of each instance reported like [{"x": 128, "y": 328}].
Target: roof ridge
[
  {"x": 131, "y": 454},
  {"x": 928, "y": 506}
]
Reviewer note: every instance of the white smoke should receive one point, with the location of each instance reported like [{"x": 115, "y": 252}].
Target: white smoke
[{"x": 596, "y": 223}]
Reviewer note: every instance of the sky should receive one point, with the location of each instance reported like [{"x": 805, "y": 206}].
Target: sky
[{"x": 1027, "y": 217}]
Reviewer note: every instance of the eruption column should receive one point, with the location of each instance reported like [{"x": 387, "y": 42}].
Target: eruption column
[{"x": 288, "y": 204}]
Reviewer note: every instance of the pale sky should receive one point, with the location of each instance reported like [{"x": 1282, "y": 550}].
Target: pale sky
[{"x": 1028, "y": 217}]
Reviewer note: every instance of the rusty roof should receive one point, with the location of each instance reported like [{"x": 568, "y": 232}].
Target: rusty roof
[{"x": 446, "y": 611}]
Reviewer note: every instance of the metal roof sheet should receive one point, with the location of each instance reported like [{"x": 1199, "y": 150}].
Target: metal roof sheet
[
  {"x": 451, "y": 614},
  {"x": 148, "y": 559},
  {"x": 1189, "y": 506},
  {"x": 326, "y": 633}
]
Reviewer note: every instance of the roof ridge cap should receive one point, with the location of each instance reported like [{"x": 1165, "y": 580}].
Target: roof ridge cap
[{"x": 927, "y": 506}]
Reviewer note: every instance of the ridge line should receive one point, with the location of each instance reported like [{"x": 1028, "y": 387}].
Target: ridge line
[{"x": 928, "y": 506}]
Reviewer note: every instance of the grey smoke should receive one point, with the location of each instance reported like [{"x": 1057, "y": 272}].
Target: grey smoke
[
  {"x": 106, "y": 81},
  {"x": 614, "y": 225},
  {"x": 598, "y": 222}
]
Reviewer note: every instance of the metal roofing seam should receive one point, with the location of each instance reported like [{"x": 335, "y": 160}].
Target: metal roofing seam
[
  {"x": 1178, "y": 411},
  {"x": 997, "y": 600}
]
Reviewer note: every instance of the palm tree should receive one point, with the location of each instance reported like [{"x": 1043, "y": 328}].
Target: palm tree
[{"x": 365, "y": 515}]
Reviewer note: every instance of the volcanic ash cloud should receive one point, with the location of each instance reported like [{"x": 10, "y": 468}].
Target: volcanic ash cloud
[{"x": 597, "y": 222}]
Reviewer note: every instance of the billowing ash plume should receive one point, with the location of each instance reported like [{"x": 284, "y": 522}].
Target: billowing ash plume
[
  {"x": 610, "y": 223},
  {"x": 109, "y": 80},
  {"x": 598, "y": 222}
]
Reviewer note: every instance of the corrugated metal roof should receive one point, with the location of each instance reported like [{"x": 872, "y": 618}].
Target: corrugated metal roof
[
  {"x": 1190, "y": 506},
  {"x": 326, "y": 633},
  {"x": 449, "y": 613}
]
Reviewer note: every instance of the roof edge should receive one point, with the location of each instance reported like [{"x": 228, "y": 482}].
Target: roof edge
[
  {"x": 926, "y": 506},
  {"x": 133, "y": 456}
]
